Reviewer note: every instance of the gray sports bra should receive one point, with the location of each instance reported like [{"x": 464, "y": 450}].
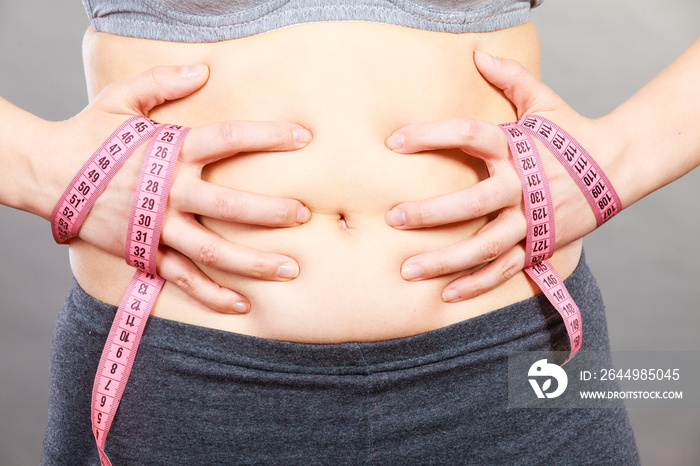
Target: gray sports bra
[{"x": 215, "y": 20}]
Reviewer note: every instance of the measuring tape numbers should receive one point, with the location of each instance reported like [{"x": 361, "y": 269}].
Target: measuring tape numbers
[
  {"x": 587, "y": 174},
  {"x": 539, "y": 241},
  {"x": 143, "y": 237},
  {"x": 148, "y": 206},
  {"x": 145, "y": 223},
  {"x": 92, "y": 179},
  {"x": 119, "y": 352},
  {"x": 539, "y": 214}
]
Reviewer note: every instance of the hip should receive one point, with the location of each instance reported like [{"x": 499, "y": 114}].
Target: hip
[{"x": 437, "y": 397}]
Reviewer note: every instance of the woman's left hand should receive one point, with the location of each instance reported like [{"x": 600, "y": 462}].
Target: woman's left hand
[{"x": 498, "y": 248}]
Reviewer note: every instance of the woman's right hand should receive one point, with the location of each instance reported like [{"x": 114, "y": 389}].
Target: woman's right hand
[{"x": 184, "y": 241}]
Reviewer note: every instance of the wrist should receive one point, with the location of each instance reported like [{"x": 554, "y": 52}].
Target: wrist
[
  {"x": 20, "y": 178},
  {"x": 611, "y": 150},
  {"x": 45, "y": 167}
]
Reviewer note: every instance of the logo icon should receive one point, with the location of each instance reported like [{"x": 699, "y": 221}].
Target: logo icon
[{"x": 543, "y": 370}]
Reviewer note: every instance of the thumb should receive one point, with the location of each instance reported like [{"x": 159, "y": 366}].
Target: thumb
[
  {"x": 523, "y": 89},
  {"x": 141, "y": 93}
]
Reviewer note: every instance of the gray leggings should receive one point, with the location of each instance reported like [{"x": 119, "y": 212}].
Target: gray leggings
[{"x": 200, "y": 396}]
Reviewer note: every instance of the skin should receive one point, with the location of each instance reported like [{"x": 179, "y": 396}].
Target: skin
[{"x": 332, "y": 79}]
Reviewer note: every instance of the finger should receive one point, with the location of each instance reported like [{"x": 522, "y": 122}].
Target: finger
[
  {"x": 141, "y": 93},
  {"x": 475, "y": 137},
  {"x": 485, "y": 197},
  {"x": 213, "y": 142},
  {"x": 499, "y": 236},
  {"x": 210, "y": 200},
  {"x": 180, "y": 271},
  {"x": 206, "y": 248},
  {"x": 523, "y": 89},
  {"x": 487, "y": 278}
]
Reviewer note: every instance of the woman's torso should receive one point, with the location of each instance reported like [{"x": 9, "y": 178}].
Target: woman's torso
[{"x": 352, "y": 84}]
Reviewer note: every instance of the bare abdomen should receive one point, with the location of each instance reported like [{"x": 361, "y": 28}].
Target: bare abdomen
[{"x": 351, "y": 84}]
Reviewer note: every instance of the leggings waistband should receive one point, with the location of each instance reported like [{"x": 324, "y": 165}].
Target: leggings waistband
[{"x": 529, "y": 325}]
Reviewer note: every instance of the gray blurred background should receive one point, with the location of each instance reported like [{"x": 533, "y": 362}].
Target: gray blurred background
[{"x": 596, "y": 53}]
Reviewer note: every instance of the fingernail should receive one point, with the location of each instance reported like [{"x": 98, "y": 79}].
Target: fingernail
[
  {"x": 487, "y": 57},
  {"x": 450, "y": 295},
  {"x": 241, "y": 307},
  {"x": 302, "y": 135},
  {"x": 396, "y": 218},
  {"x": 411, "y": 272},
  {"x": 396, "y": 141},
  {"x": 189, "y": 72},
  {"x": 303, "y": 214},
  {"x": 288, "y": 270}
]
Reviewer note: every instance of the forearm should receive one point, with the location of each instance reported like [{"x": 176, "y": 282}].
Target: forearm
[
  {"x": 20, "y": 183},
  {"x": 657, "y": 130}
]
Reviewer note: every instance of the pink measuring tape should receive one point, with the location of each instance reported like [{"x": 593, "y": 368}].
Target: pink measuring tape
[
  {"x": 539, "y": 214},
  {"x": 143, "y": 237},
  {"x": 92, "y": 179},
  {"x": 587, "y": 174}
]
